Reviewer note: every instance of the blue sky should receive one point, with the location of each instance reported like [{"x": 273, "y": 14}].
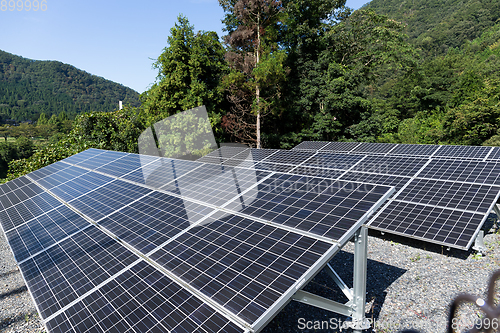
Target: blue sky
[{"x": 117, "y": 40}]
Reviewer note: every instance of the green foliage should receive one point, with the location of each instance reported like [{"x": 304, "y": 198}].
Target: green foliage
[
  {"x": 326, "y": 89},
  {"x": 118, "y": 130},
  {"x": 25, "y": 147},
  {"x": 29, "y": 88},
  {"x": 189, "y": 71},
  {"x": 438, "y": 25}
]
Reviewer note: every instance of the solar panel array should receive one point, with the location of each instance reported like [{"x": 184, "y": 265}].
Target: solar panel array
[
  {"x": 116, "y": 242},
  {"x": 443, "y": 193},
  {"x": 482, "y": 153}
]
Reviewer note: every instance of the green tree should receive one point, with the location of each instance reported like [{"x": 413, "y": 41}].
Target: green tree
[
  {"x": 24, "y": 147},
  {"x": 189, "y": 73},
  {"x": 5, "y": 131},
  {"x": 257, "y": 65},
  {"x": 42, "y": 120}
]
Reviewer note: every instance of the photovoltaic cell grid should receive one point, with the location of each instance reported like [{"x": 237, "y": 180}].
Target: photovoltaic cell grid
[
  {"x": 435, "y": 224},
  {"x": 85, "y": 281},
  {"x": 379, "y": 169},
  {"x": 374, "y": 148},
  {"x": 318, "y": 206},
  {"x": 451, "y": 180},
  {"x": 242, "y": 264},
  {"x": 311, "y": 145},
  {"x": 215, "y": 184},
  {"x": 160, "y": 172},
  {"x": 413, "y": 150}
]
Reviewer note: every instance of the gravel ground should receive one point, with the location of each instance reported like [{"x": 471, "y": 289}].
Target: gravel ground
[{"x": 410, "y": 284}]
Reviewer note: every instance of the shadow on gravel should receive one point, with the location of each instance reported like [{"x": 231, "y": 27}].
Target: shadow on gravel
[
  {"x": 297, "y": 317},
  {"x": 14, "y": 292},
  {"x": 5, "y": 322},
  {"x": 6, "y": 274}
]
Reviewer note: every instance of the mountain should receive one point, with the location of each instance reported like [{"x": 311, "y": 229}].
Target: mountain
[
  {"x": 30, "y": 87},
  {"x": 437, "y": 25}
]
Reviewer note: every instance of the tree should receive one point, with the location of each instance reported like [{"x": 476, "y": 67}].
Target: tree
[
  {"x": 5, "y": 131},
  {"x": 24, "y": 147},
  {"x": 42, "y": 120},
  {"x": 257, "y": 65},
  {"x": 189, "y": 73}
]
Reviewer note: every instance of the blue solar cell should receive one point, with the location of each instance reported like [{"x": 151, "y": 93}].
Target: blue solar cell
[
  {"x": 44, "y": 231},
  {"x": 85, "y": 155},
  {"x": 320, "y": 206},
  {"x": 66, "y": 271},
  {"x": 242, "y": 264}
]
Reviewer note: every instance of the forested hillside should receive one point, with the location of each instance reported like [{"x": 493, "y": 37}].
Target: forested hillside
[
  {"x": 30, "y": 87},
  {"x": 437, "y": 25}
]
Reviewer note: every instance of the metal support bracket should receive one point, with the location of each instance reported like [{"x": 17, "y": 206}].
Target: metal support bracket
[
  {"x": 355, "y": 307},
  {"x": 323, "y": 303},
  {"x": 338, "y": 281},
  {"x": 479, "y": 243},
  {"x": 497, "y": 212}
]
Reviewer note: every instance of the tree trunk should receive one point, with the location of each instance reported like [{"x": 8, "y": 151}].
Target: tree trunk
[
  {"x": 257, "y": 93},
  {"x": 257, "y": 90}
]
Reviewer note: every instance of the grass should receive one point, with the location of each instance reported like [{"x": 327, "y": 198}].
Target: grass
[{"x": 415, "y": 258}]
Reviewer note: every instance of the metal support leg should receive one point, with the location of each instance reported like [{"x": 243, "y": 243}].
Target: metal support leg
[
  {"x": 497, "y": 211},
  {"x": 359, "y": 322},
  {"x": 479, "y": 243}
]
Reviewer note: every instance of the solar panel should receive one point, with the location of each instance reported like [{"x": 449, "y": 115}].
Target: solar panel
[
  {"x": 242, "y": 264},
  {"x": 340, "y": 147},
  {"x": 289, "y": 157},
  {"x": 126, "y": 164},
  {"x": 160, "y": 172},
  {"x": 388, "y": 180},
  {"x": 215, "y": 184},
  {"x": 390, "y": 165},
  {"x": 462, "y": 196},
  {"x": 463, "y": 171},
  {"x": 99, "y": 160},
  {"x": 462, "y": 152},
  {"x": 43, "y": 231},
  {"x": 211, "y": 160},
  {"x": 256, "y": 155},
  {"x": 48, "y": 170},
  {"x": 141, "y": 300},
  {"x": 226, "y": 152},
  {"x": 374, "y": 148},
  {"x": 414, "y": 150},
  {"x": 77, "y": 158},
  {"x": 159, "y": 244},
  {"x": 311, "y": 145},
  {"x": 318, "y": 206},
  {"x": 317, "y": 172},
  {"x": 494, "y": 154},
  {"x": 439, "y": 225},
  {"x": 454, "y": 178},
  {"x": 332, "y": 161}
]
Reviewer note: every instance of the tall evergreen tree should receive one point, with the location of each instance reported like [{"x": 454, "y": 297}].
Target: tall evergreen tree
[
  {"x": 257, "y": 65},
  {"x": 189, "y": 73}
]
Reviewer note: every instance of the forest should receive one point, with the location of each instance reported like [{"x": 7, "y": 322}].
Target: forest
[
  {"x": 286, "y": 71},
  {"x": 29, "y": 88}
]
